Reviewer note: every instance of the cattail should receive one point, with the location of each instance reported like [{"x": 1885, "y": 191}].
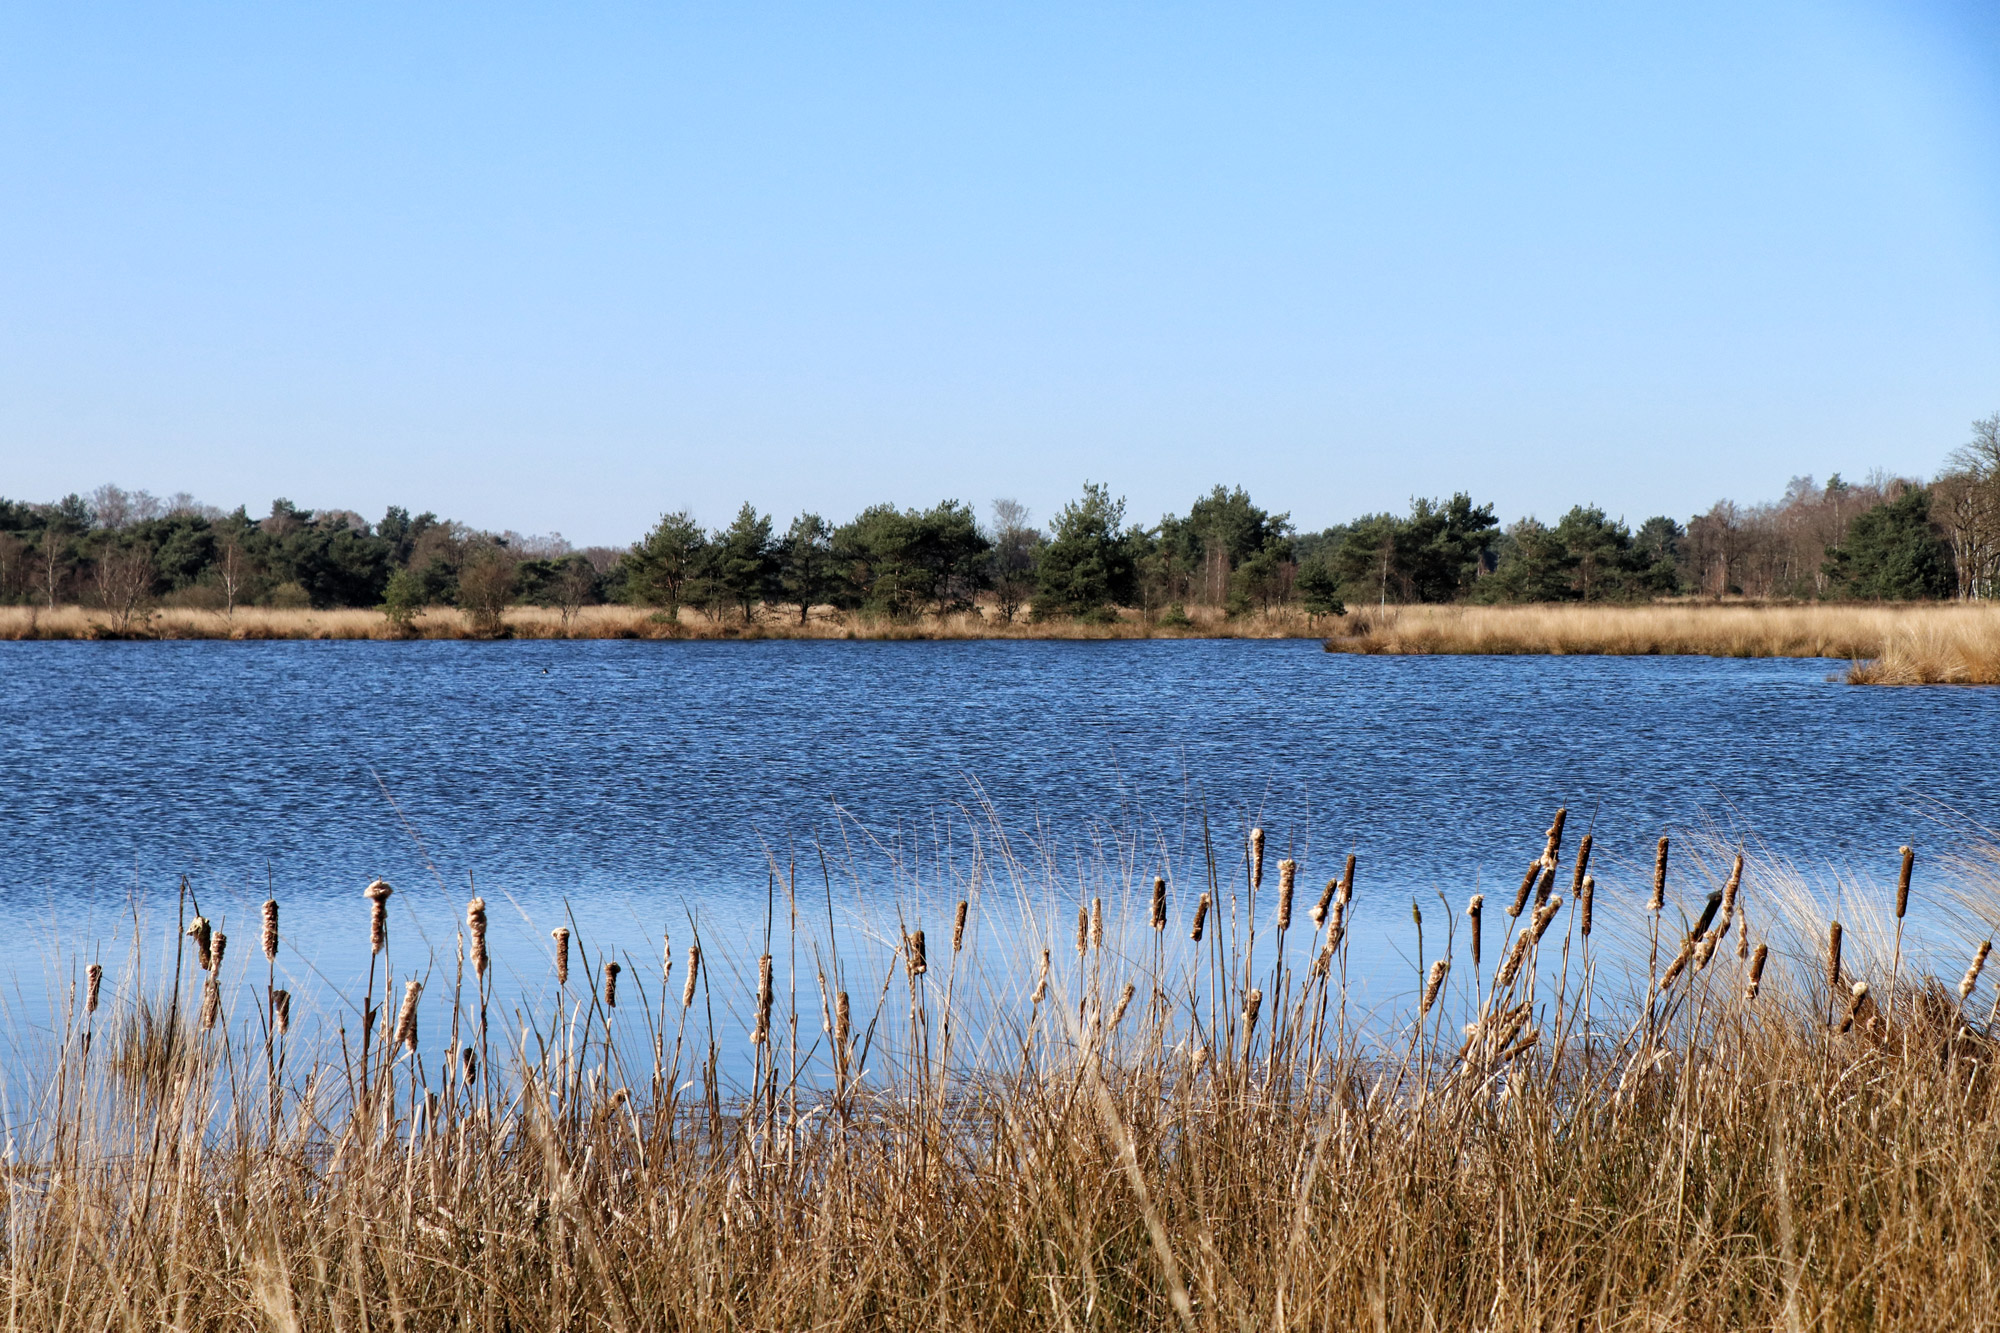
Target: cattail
[
  {"x": 1903, "y": 882},
  {"x": 1704, "y": 951},
  {"x": 611, "y": 971},
  {"x": 1708, "y": 911},
  {"x": 1431, "y": 987},
  {"x": 1543, "y": 916},
  {"x": 1833, "y": 956},
  {"x": 1097, "y": 923},
  {"x": 221, "y": 946},
  {"x": 1527, "y": 887},
  {"x": 281, "y": 1011},
  {"x": 1288, "y": 871},
  {"x": 203, "y": 936},
  {"x": 1346, "y": 894},
  {"x": 1253, "y": 1003},
  {"x": 561, "y": 936},
  {"x": 406, "y": 1021},
  {"x": 1680, "y": 962},
  {"x": 1200, "y": 919},
  {"x": 1659, "y": 898},
  {"x": 1042, "y": 980},
  {"x": 918, "y": 963},
  {"x": 1159, "y": 902},
  {"x": 468, "y": 1062},
  {"x": 1082, "y": 929},
  {"x": 1757, "y": 971},
  {"x": 377, "y": 895},
  {"x": 1582, "y": 865},
  {"x": 1857, "y": 998},
  {"x": 1416, "y": 914},
  {"x": 271, "y": 929},
  {"x": 475, "y": 925},
  {"x": 762, "y": 1033},
  {"x": 958, "y": 926},
  {"x": 1473, "y": 910},
  {"x": 1964, "y": 987},
  {"x": 1515, "y": 957},
  {"x": 1318, "y": 913},
  {"x": 843, "y": 1024},
  {"x": 694, "y": 970},
  {"x": 1553, "y": 852},
  {"x": 1586, "y": 896},
  {"x": 1546, "y": 882},
  {"x": 1256, "y": 859},
  {"x": 1124, "y": 1002},
  {"x": 1324, "y": 963},
  {"x": 93, "y": 977},
  {"x": 1729, "y": 891},
  {"x": 211, "y": 1003}
]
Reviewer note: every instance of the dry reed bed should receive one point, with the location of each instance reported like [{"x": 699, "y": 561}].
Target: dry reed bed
[
  {"x": 1769, "y": 1125},
  {"x": 626, "y": 622},
  {"x": 1952, "y": 643}
]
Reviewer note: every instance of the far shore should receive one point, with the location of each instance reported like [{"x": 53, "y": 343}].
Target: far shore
[{"x": 1885, "y": 644}]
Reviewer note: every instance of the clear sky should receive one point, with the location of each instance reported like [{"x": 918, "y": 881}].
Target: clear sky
[{"x": 563, "y": 267}]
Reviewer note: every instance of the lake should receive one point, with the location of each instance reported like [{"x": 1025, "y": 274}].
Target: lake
[{"x": 658, "y": 786}]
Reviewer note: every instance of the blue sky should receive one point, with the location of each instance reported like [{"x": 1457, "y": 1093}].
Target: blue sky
[{"x": 562, "y": 268}]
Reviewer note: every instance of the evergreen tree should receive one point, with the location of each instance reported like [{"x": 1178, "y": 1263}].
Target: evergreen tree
[
  {"x": 745, "y": 563},
  {"x": 807, "y": 573},
  {"x": 1893, "y": 553},
  {"x": 660, "y": 565},
  {"x": 1087, "y": 565}
]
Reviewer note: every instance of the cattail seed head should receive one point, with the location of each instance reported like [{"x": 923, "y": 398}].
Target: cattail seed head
[
  {"x": 1544, "y": 883},
  {"x": 1097, "y": 923},
  {"x": 203, "y": 936},
  {"x": 93, "y": 977},
  {"x": 694, "y": 970},
  {"x": 958, "y": 926},
  {"x": 1416, "y": 914},
  {"x": 211, "y": 1003},
  {"x": 1041, "y": 981},
  {"x": 1582, "y": 866},
  {"x": 1659, "y": 898},
  {"x": 1964, "y": 987},
  {"x": 1319, "y": 909},
  {"x": 1586, "y": 895},
  {"x": 1346, "y": 894},
  {"x": 468, "y": 1062},
  {"x": 1511, "y": 968},
  {"x": 220, "y": 946},
  {"x": 281, "y": 1011},
  {"x": 1742, "y": 934},
  {"x": 1675, "y": 968},
  {"x": 611, "y": 971},
  {"x": 1857, "y": 997},
  {"x": 1527, "y": 887},
  {"x": 1903, "y": 882},
  {"x": 1288, "y": 872},
  {"x": 1553, "y": 851},
  {"x": 762, "y": 1032},
  {"x": 1159, "y": 902},
  {"x": 406, "y": 1020},
  {"x": 1473, "y": 910},
  {"x": 377, "y": 895},
  {"x": 1543, "y": 916},
  {"x": 1256, "y": 859},
  {"x": 843, "y": 1023},
  {"x": 271, "y": 930},
  {"x": 1833, "y": 934},
  {"x": 475, "y": 926},
  {"x": 1082, "y": 929},
  {"x": 1431, "y": 987},
  {"x": 1757, "y": 971},
  {"x": 1253, "y": 1004},
  {"x": 561, "y": 936},
  {"x": 1124, "y": 1002},
  {"x": 918, "y": 964},
  {"x": 1200, "y": 918},
  {"x": 1708, "y": 912},
  {"x": 1704, "y": 951},
  {"x": 1730, "y": 889}
]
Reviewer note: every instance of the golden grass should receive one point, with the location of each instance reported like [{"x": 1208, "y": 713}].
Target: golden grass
[
  {"x": 626, "y": 622},
  {"x": 1235, "y": 1146},
  {"x": 1915, "y": 644}
]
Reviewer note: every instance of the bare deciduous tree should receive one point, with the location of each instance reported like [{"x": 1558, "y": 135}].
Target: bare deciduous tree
[{"x": 124, "y": 578}]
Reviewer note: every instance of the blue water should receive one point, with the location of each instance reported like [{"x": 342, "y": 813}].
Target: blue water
[{"x": 649, "y": 785}]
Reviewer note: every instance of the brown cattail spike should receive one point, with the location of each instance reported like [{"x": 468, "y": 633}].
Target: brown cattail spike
[
  {"x": 843, "y": 1027},
  {"x": 1082, "y": 929},
  {"x": 94, "y": 979},
  {"x": 203, "y": 936},
  {"x": 918, "y": 963},
  {"x": 1965, "y": 986},
  {"x": 475, "y": 926},
  {"x": 694, "y": 970},
  {"x": 1253, "y": 1004},
  {"x": 1903, "y": 882},
  {"x": 1159, "y": 902},
  {"x": 1659, "y": 898},
  {"x": 1041, "y": 981},
  {"x": 1582, "y": 865},
  {"x": 1346, "y": 894},
  {"x": 958, "y": 926},
  {"x": 1546, "y": 882},
  {"x": 468, "y": 1061},
  {"x": 1757, "y": 971},
  {"x": 1833, "y": 934},
  {"x": 1097, "y": 923},
  {"x": 1473, "y": 910},
  {"x": 1431, "y": 987},
  {"x": 1730, "y": 889},
  {"x": 1527, "y": 887},
  {"x": 1675, "y": 968},
  {"x": 611, "y": 971},
  {"x": 377, "y": 895},
  {"x": 1319, "y": 910},
  {"x": 406, "y": 1021},
  {"x": 1288, "y": 873},
  {"x": 561, "y": 936},
  {"x": 281, "y": 1011},
  {"x": 211, "y": 1003},
  {"x": 1124, "y": 1003},
  {"x": 271, "y": 929},
  {"x": 762, "y": 1033},
  {"x": 1200, "y": 918},
  {"x": 1586, "y": 898},
  {"x": 1256, "y": 859},
  {"x": 220, "y": 947},
  {"x": 1544, "y": 915},
  {"x": 1553, "y": 851},
  {"x": 1857, "y": 998}
]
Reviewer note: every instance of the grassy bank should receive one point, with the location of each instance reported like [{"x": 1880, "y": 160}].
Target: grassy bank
[
  {"x": 626, "y": 622},
  {"x": 1128, "y": 1131},
  {"x": 1912, "y": 644}
]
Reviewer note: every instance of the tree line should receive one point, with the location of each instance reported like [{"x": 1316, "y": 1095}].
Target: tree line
[{"x": 1884, "y": 538}]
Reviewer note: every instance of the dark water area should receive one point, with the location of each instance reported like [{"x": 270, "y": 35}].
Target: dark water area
[{"x": 648, "y": 785}]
